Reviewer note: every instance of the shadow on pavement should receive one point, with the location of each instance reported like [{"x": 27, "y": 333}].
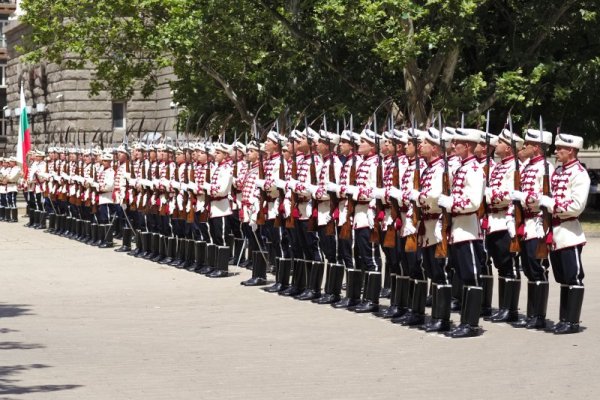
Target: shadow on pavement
[
  {"x": 8, "y": 383},
  {"x": 20, "y": 346},
  {"x": 14, "y": 310}
]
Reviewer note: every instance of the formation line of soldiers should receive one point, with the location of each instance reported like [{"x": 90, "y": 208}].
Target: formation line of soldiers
[{"x": 318, "y": 209}]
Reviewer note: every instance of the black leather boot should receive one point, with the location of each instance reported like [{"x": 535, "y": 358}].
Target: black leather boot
[
  {"x": 211, "y": 250},
  {"x": 259, "y": 271},
  {"x": 282, "y": 279},
  {"x": 315, "y": 280},
  {"x": 371, "y": 296},
  {"x": 354, "y": 281},
  {"x": 562, "y": 310},
  {"x": 31, "y": 219},
  {"x": 178, "y": 260},
  {"x": 502, "y": 309},
  {"x": 94, "y": 236},
  {"x": 440, "y": 309},
  {"x": 43, "y": 218},
  {"x": 333, "y": 285},
  {"x": 51, "y": 223},
  {"x": 126, "y": 245},
  {"x": 157, "y": 247},
  {"x": 405, "y": 288},
  {"x": 393, "y": 308},
  {"x": 199, "y": 255},
  {"x": 3, "y": 214},
  {"x": 457, "y": 292},
  {"x": 572, "y": 311},
  {"x": 36, "y": 219},
  {"x": 540, "y": 305},
  {"x": 416, "y": 314},
  {"x": 469, "y": 317},
  {"x": 221, "y": 263},
  {"x": 522, "y": 323},
  {"x": 487, "y": 284},
  {"x": 137, "y": 236},
  {"x": 509, "y": 311},
  {"x": 298, "y": 279},
  {"x": 107, "y": 242},
  {"x": 146, "y": 252},
  {"x": 171, "y": 250}
]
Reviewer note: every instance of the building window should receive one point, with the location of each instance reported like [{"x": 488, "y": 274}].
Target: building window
[
  {"x": 3, "y": 75},
  {"x": 119, "y": 112},
  {"x": 3, "y": 23}
]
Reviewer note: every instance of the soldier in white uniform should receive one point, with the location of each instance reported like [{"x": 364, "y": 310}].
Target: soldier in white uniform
[
  {"x": 12, "y": 175},
  {"x": 105, "y": 185},
  {"x": 570, "y": 186},
  {"x": 466, "y": 247},
  {"x": 364, "y": 221},
  {"x": 501, "y": 228},
  {"x": 219, "y": 206},
  {"x": 427, "y": 200},
  {"x": 4, "y": 210},
  {"x": 532, "y": 232}
]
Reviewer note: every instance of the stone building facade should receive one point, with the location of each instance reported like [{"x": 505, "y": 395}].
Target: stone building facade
[{"x": 59, "y": 98}]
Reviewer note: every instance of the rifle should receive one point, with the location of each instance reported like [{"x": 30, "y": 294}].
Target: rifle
[
  {"x": 441, "y": 249},
  {"x": 333, "y": 200},
  {"x": 261, "y": 218},
  {"x": 311, "y": 225},
  {"x": 280, "y": 219},
  {"x": 290, "y": 222},
  {"x": 484, "y": 208},
  {"x": 375, "y": 236},
  {"x": 389, "y": 240},
  {"x": 346, "y": 231},
  {"x": 515, "y": 243},
  {"x": 542, "y": 247},
  {"x": 411, "y": 240}
]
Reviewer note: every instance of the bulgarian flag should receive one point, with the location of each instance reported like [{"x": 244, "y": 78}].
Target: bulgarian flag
[{"x": 24, "y": 142}]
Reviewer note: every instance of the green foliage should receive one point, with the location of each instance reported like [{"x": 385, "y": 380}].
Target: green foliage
[{"x": 339, "y": 56}]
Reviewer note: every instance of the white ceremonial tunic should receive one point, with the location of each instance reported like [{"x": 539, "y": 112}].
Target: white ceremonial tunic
[
  {"x": 467, "y": 195},
  {"x": 570, "y": 186}
]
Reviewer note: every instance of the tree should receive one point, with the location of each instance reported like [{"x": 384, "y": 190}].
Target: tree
[{"x": 339, "y": 56}]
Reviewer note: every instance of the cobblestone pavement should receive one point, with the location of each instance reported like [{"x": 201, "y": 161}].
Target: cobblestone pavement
[{"x": 78, "y": 322}]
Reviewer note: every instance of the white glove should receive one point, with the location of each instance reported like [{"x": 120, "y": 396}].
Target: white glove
[
  {"x": 352, "y": 190},
  {"x": 292, "y": 184},
  {"x": 516, "y": 195},
  {"x": 184, "y": 186},
  {"x": 194, "y": 188},
  {"x": 379, "y": 193},
  {"x": 371, "y": 218},
  {"x": 253, "y": 226},
  {"x": 445, "y": 202},
  {"x": 127, "y": 175},
  {"x": 333, "y": 187},
  {"x": 414, "y": 195},
  {"x": 96, "y": 185},
  {"x": 155, "y": 183},
  {"x": 312, "y": 189},
  {"x": 287, "y": 208},
  {"x": 488, "y": 192},
  {"x": 512, "y": 231},
  {"x": 260, "y": 183},
  {"x": 176, "y": 185},
  {"x": 396, "y": 193},
  {"x": 548, "y": 202},
  {"x": 206, "y": 186},
  {"x": 164, "y": 182},
  {"x": 279, "y": 183},
  {"x": 438, "y": 230}
]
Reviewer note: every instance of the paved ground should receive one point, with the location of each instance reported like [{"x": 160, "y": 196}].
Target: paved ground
[{"x": 83, "y": 323}]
